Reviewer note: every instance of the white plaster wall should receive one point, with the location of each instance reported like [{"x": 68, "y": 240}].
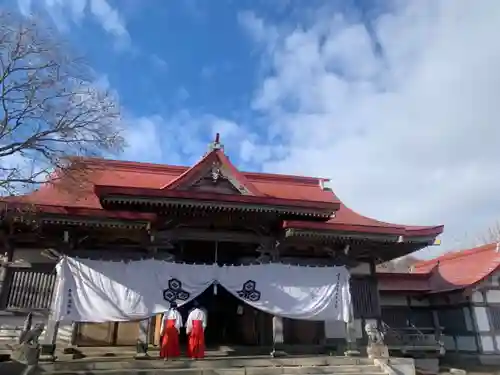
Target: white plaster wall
[
  {"x": 477, "y": 297},
  {"x": 392, "y": 300},
  {"x": 481, "y": 317},
  {"x": 466, "y": 344},
  {"x": 497, "y": 339},
  {"x": 487, "y": 344},
  {"x": 493, "y": 280},
  {"x": 493, "y": 296},
  {"x": 11, "y": 326}
]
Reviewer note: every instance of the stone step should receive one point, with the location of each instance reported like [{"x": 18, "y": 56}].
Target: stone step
[
  {"x": 166, "y": 372},
  {"x": 255, "y": 362},
  {"x": 219, "y": 366},
  {"x": 217, "y": 351},
  {"x": 304, "y": 370},
  {"x": 267, "y": 370}
]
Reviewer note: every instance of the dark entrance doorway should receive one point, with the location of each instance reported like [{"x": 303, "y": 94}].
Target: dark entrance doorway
[{"x": 229, "y": 320}]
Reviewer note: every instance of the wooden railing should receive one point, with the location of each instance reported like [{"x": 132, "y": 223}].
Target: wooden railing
[{"x": 411, "y": 340}]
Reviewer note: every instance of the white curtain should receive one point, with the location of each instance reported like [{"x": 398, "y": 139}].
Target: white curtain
[
  {"x": 309, "y": 293},
  {"x": 100, "y": 291}
]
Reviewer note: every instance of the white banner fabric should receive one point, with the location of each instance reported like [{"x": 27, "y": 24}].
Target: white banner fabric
[
  {"x": 101, "y": 291},
  {"x": 296, "y": 292}
]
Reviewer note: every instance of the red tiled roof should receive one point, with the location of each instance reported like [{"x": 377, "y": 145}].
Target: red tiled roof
[
  {"x": 347, "y": 220},
  {"x": 452, "y": 271},
  {"x": 130, "y": 176},
  {"x": 172, "y": 189},
  {"x": 459, "y": 270},
  {"x": 155, "y": 176}
]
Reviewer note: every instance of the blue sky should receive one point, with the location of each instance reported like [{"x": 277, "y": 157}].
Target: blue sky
[{"x": 395, "y": 101}]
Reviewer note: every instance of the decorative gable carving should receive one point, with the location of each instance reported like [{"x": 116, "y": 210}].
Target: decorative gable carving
[
  {"x": 216, "y": 180},
  {"x": 214, "y": 173}
]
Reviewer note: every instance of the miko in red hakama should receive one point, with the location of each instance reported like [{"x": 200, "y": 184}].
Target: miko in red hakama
[
  {"x": 171, "y": 324},
  {"x": 195, "y": 327}
]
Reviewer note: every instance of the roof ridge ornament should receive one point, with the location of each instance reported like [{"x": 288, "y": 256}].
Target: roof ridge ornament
[
  {"x": 216, "y": 172},
  {"x": 216, "y": 145}
]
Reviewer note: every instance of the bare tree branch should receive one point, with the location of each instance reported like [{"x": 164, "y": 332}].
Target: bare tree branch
[
  {"x": 492, "y": 235},
  {"x": 50, "y": 108}
]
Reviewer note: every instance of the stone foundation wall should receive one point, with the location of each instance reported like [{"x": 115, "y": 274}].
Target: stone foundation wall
[{"x": 12, "y": 324}]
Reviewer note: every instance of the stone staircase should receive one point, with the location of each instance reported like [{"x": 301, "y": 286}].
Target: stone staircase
[{"x": 255, "y": 365}]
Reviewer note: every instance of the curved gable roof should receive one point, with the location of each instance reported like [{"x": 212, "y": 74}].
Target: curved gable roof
[{"x": 462, "y": 269}]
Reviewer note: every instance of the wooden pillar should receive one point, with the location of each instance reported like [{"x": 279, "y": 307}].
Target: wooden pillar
[
  {"x": 157, "y": 336},
  {"x": 145, "y": 324},
  {"x": 352, "y": 346},
  {"x": 278, "y": 337},
  {"x": 351, "y": 343}
]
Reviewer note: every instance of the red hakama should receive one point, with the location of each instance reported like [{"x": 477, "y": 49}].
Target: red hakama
[
  {"x": 170, "y": 341},
  {"x": 196, "y": 343}
]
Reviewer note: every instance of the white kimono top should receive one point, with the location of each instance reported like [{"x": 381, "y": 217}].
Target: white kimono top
[
  {"x": 196, "y": 314},
  {"x": 171, "y": 314}
]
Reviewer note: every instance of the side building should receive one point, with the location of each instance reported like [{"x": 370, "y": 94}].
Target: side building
[{"x": 455, "y": 296}]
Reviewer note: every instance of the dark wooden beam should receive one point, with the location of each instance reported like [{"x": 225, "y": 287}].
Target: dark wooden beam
[{"x": 209, "y": 235}]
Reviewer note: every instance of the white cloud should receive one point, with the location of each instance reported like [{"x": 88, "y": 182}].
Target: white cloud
[
  {"x": 407, "y": 135},
  {"x": 158, "y": 62},
  {"x": 64, "y": 12},
  {"x": 207, "y": 72},
  {"x": 143, "y": 143},
  {"x": 182, "y": 94},
  {"x": 109, "y": 18}
]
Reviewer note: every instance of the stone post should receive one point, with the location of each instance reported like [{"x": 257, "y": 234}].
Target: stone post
[
  {"x": 143, "y": 339},
  {"x": 48, "y": 347}
]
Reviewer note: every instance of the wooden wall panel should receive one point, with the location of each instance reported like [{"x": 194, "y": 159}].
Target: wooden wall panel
[
  {"x": 126, "y": 333},
  {"x": 95, "y": 334}
]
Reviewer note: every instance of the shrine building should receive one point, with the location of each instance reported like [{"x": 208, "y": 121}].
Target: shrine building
[{"x": 208, "y": 213}]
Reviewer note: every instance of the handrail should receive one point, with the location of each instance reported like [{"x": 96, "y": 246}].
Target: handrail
[
  {"x": 409, "y": 322},
  {"x": 386, "y": 329},
  {"x": 406, "y": 338}
]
